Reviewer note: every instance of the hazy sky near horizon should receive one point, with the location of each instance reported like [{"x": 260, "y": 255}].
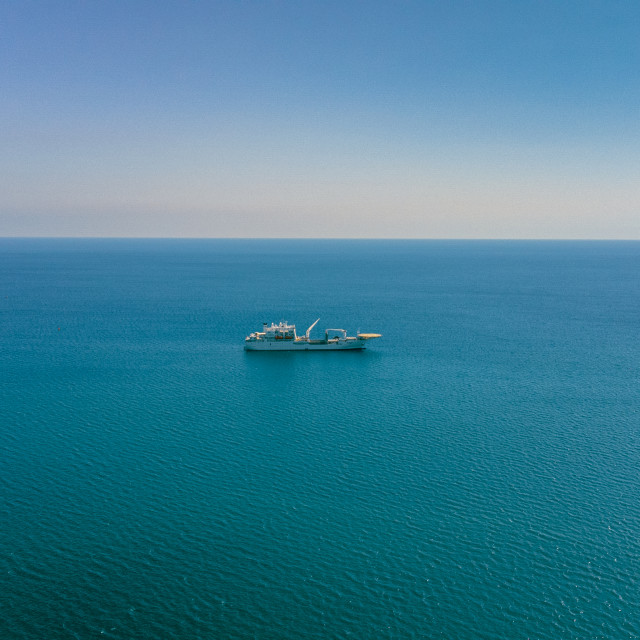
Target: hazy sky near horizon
[{"x": 448, "y": 119}]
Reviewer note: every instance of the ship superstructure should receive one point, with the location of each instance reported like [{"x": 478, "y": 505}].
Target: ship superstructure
[{"x": 283, "y": 337}]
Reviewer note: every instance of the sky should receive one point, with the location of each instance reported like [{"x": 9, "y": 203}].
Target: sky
[{"x": 397, "y": 119}]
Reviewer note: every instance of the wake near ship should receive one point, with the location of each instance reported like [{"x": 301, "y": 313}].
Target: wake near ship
[{"x": 283, "y": 337}]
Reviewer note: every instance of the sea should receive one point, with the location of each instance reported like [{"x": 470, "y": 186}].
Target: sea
[{"x": 474, "y": 473}]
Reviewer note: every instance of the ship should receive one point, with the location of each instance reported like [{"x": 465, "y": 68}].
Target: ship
[{"x": 283, "y": 337}]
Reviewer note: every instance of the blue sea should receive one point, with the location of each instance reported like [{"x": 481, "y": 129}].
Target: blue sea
[{"x": 475, "y": 473}]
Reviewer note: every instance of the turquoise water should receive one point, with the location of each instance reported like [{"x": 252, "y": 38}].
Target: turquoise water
[{"x": 474, "y": 474}]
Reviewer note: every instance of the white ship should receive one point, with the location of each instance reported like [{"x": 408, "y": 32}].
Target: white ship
[{"x": 283, "y": 337}]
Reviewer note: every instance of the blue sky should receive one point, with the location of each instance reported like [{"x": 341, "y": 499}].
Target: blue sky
[{"x": 320, "y": 119}]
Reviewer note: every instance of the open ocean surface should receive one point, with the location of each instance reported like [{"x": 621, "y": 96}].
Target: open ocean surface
[{"x": 474, "y": 474}]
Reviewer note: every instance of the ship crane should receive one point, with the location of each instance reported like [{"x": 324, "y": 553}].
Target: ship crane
[{"x": 306, "y": 335}]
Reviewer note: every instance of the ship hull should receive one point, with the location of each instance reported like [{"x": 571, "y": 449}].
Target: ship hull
[{"x": 282, "y": 345}]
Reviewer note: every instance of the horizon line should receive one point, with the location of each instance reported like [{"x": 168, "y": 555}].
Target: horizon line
[{"x": 324, "y": 238}]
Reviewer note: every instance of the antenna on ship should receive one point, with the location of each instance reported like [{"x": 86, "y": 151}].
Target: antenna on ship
[{"x": 306, "y": 335}]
